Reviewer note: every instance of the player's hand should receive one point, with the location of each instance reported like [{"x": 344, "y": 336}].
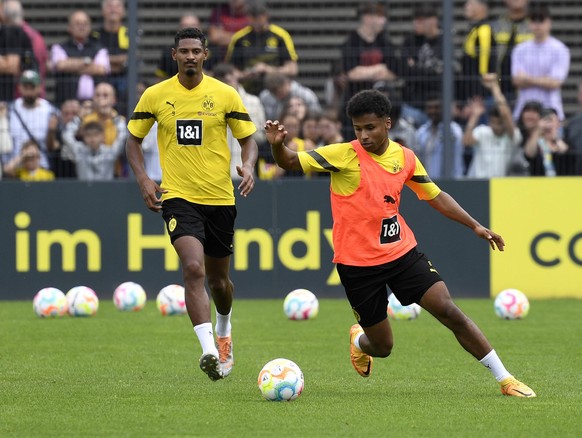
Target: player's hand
[
  {"x": 494, "y": 239},
  {"x": 247, "y": 184},
  {"x": 150, "y": 191},
  {"x": 275, "y": 132}
]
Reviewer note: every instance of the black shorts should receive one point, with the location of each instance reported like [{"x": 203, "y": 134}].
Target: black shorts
[
  {"x": 408, "y": 277},
  {"x": 212, "y": 225}
]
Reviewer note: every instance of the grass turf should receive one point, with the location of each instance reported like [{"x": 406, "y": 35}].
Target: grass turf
[{"x": 136, "y": 374}]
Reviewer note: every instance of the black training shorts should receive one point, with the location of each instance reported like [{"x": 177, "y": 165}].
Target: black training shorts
[
  {"x": 408, "y": 277},
  {"x": 212, "y": 225}
]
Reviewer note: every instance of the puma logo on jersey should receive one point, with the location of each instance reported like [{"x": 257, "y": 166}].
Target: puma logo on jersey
[{"x": 171, "y": 104}]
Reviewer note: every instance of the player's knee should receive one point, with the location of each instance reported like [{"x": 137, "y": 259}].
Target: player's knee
[
  {"x": 455, "y": 318},
  {"x": 219, "y": 284},
  {"x": 193, "y": 270}
]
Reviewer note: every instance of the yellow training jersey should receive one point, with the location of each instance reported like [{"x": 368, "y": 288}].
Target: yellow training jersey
[
  {"x": 341, "y": 161},
  {"x": 194, "y": 153}
]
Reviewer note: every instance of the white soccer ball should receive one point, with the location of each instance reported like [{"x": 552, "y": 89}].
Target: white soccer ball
[
  {"x": 171, "y": 300},
  {"x": 397, "y": 311},
  {"x": 129, "y": 296},
  {"x": 511, "y": 304},
  {"x": 301, "y": 304},
  {"x": 82, "y": 301},
  {"x": 281, "y": 380},
  {"x": 49, "y": 302}
]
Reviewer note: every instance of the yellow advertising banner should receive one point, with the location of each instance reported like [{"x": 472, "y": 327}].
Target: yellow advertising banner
[{"x": 540, "y": 220}]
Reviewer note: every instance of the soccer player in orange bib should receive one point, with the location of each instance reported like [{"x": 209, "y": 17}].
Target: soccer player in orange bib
[{"x": 374, "y": 247}]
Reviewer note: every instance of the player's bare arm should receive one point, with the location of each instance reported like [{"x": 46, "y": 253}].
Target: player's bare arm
[
  {"x": 286, "y": 158},
  {"x": 150, "y": 190},
  {"x": 249, "y": 155},
  {"x": 446, "y": 205}
]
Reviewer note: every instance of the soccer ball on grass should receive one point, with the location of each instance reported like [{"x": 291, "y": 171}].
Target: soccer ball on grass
[
  {"x": 49, "y": 302},
  {"x": 397, "y": 311},
  {"x": 301, "y": 304},
  {"x": 129, "y": 296},
  {"x": 82, "y": 301},
  {"x": 281, "y": 380},
  {"x": 171, "y": 300},
  {"x": 511, "y": 304}
]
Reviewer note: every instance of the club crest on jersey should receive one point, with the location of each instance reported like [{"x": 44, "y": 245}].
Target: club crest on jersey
[
  {"x": 208, "y": 104},
  {"x": 396, "y": 167}
]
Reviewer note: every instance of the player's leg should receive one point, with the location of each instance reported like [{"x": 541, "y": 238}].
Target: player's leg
[
  {"x": 378, "y": 340},
  {"x": 185, "y": 225},
  {"x": 438, "y": 302},
  {"x": 366, "y": 291},
  {"x": 219, "y": 232},
  {"x": 222, "y": 288},
  {"x": 369, "y": 342},
  {"x": 191, "y": 253}
]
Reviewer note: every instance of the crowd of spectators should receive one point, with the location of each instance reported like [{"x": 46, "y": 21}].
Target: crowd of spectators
[{"x": 508, "y": 114}]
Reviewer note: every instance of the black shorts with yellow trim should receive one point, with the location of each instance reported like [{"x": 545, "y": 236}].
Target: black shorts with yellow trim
[{"x": 408, "y": 277}]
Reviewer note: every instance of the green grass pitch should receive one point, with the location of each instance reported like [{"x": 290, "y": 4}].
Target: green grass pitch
[{"x": 136, "y": 374}]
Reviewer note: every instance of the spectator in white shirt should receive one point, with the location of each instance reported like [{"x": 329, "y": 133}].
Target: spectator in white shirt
[
  {"x": 30, "y": 115},
  {"x": 495, "y": 144}
]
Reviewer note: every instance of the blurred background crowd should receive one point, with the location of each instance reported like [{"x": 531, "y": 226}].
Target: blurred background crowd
[{"x": 480, "y": 89}]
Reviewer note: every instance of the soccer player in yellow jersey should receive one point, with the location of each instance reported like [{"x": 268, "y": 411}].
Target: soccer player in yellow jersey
[
  {"x": 374, "y": 247},
  {"x": 196, "y": 194}
]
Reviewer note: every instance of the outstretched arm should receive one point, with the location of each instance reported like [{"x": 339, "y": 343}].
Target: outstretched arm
[
  {"x": 447, "y": 206},
  {"x": 284, "y": 157},
  {"x": 490, "y": 81}
]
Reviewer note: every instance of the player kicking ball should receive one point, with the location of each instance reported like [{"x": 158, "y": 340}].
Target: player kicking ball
[{"x": 374, "y": 247}]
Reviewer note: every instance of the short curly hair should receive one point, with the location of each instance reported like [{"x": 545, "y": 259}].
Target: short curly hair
[
  {"x": 369, "y": 102},
  {"x": 189, "y": 32}
]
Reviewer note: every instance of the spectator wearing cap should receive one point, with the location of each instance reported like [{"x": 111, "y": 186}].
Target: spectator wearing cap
[
  {"x": 261, "y": 48},
  {"x": 422, "y": 62},
  {"x": 279, "y": 89},
  {"x": 30, "y": 116},
  {"x": 540, "y": 66}
]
